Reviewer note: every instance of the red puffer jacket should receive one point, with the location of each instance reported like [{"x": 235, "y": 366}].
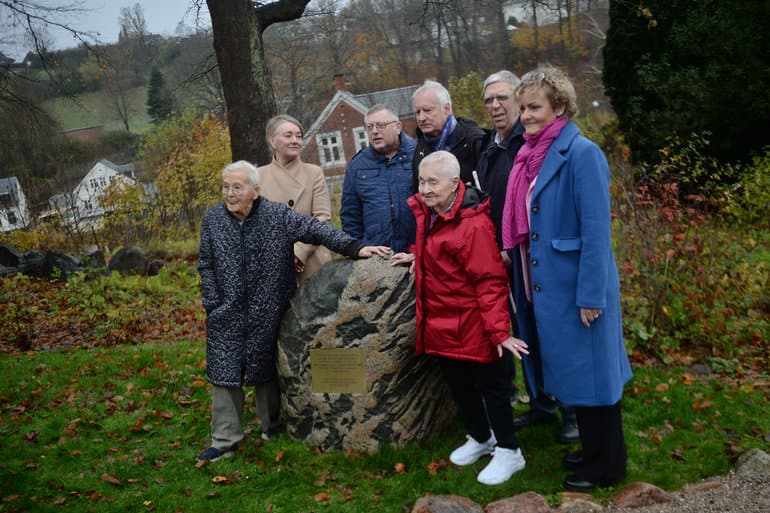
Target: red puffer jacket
[{"x": 462, "y": 287}]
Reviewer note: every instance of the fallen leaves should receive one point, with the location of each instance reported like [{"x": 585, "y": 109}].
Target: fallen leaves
[
  {"x": 434, "y": 467},
  {"x": 111, "y": 479},
  {"x": 321, "y": 497}
]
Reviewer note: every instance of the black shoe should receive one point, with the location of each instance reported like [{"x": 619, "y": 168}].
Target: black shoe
[
  {"x": 569, "y": 433},
  {"x": 533, "y": 417},
  {"x": 573, "y": 460},
  {"x": 576, "y": 484}
]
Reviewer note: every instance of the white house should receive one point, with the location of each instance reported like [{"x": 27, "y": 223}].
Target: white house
[
  {"x": 83, "y": 207},
  {"x": 13, "y": 205}
]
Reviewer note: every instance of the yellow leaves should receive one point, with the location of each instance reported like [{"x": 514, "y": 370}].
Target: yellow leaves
[
  {"x": 646, "y": 13},
  {"x": 279, "y": 456}
]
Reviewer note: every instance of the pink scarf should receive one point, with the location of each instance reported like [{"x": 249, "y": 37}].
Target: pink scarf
[{"x": 526, "y": 167}]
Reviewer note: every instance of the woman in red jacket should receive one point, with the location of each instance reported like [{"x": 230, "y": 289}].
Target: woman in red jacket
[{"x": 462, "y": 311}]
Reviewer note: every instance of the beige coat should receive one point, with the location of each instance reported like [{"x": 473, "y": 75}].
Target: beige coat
[{"x": 303, "y": 188}]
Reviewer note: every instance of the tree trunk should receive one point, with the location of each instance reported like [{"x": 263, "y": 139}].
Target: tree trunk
[{"x": 238, "y": 26}]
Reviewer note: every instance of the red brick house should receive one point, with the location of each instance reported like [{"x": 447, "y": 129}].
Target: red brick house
[{"x": 338, "y": 133}]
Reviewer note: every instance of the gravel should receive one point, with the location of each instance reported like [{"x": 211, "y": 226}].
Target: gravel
[{"x": 739, "y": 494}]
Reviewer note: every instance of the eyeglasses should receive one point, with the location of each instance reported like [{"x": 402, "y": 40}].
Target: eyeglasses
[
  {"x": 236, "y": 189},
  {"x": 499, "y": 97},
  {"x": 378, "y": 126}
]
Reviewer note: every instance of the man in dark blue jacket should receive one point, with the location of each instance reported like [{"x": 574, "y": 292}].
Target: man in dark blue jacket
[{"x": 377, "y": 183}]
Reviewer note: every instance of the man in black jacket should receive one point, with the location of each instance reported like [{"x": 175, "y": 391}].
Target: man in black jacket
[
  {"x": 438, "y": 129},
  {"x": 495, "y": 163}
]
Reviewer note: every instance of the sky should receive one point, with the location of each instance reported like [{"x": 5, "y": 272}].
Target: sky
[{"x": 101, "y": 16}]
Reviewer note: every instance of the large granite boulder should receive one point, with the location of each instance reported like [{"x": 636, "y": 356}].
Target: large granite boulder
[{"x": 363, "y": 308}]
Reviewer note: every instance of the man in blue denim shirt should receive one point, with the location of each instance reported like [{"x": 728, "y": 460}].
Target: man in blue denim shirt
[{"x": 377, "y": 183}]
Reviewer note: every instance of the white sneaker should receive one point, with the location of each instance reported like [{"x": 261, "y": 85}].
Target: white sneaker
[
  {"x": 471, "y": 450},
  {"x": 504, "y": 464}
]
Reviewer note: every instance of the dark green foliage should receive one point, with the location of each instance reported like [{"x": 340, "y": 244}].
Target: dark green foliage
[
  {"x": 676, "y": 67},
  {"x": 159, "y": 101}
]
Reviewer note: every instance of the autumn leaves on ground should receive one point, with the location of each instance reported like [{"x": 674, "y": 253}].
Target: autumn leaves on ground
[{"x": 112, "y": 418}]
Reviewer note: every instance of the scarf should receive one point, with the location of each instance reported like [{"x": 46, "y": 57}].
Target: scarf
[
  {"x": 526, "y": 167},
  {"x": 443, "y": 141}
]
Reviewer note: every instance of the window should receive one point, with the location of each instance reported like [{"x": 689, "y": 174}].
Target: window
[
  {"x": 362, "y": 141},
  {"x": 330, "y": 150},
  {"x": 12, "y": 217},
  {"x": 94, "y": 183},
  {"x": 103, "y": 181}
]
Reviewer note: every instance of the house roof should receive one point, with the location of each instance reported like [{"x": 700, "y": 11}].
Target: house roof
[
  {"x": 125, "y": 169},
  {"x": 399, "y": 99},
  {"x": 9, "y": 185}
]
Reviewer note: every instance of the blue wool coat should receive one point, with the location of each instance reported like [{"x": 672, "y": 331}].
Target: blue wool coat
[{"x": 571, "y": 266}]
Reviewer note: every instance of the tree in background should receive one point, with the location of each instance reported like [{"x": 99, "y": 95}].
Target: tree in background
[
  {"x": 238, "y": 26},
  {"x": 185, "y": 156},
  {"x": 159, "y": 101},
  {"x": 672, "y": 68}
]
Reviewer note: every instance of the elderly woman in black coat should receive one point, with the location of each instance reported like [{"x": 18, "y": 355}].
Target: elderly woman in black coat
[{"x": 248, "y": 276}]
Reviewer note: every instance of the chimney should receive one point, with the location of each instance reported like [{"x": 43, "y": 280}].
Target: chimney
[{"x": 339, "y": 82}]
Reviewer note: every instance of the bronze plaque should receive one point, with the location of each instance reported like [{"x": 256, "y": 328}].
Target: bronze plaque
[{"x": 338, "y": 371}]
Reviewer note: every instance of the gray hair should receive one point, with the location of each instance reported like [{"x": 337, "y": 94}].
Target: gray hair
[
  {"x": 379, "y": 107},
  {"x": 450, "y": 167},
  {"x": 250, "y": 168},
  {"x": 271, "y": 127},
  {"x": 441, "y": 92},
  {"x": 501, "y": 76},
  {"x": 557, "y": 86}
]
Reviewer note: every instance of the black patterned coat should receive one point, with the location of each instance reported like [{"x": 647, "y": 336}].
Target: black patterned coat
[{"x": 247, "y": 278}]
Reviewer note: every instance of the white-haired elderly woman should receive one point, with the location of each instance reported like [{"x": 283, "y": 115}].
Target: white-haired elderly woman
[
  {"x": 247, "y": 278},
  {"x": 566, "y": 287},
  {"x": 299, "y": 185},
  {"x": 462, "y": 311}
]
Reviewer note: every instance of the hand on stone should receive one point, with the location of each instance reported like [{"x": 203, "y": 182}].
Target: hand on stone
[
  {"x": 370, "y": 251},
  {"x": 514, "y": 345},
  {"x": 403, "y": 258}
]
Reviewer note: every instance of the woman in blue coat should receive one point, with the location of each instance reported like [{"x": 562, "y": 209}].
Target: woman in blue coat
[{"x": 556, "y": 220}]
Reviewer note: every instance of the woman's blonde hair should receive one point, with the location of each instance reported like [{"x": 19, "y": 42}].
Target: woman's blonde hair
[
  {"x": 271, "y": 127},
  {"x": 558, "y": 88}
]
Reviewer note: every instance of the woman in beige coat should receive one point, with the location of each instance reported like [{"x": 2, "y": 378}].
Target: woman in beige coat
[{"x": 299, "y": 185}]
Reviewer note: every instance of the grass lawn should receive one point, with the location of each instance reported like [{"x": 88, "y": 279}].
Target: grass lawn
[
  {"x": 96, "y": 108},
  {"x": 117, "y": 429}
]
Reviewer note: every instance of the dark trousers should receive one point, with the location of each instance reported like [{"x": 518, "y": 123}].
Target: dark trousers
[
  {"x": 604, "y": 446},
  {"x": 481, "y": 390}
]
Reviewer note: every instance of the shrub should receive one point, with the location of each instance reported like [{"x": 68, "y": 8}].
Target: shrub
[{"x": 688, "y": 278}]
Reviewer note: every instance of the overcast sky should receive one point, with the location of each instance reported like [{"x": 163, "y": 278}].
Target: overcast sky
[{"x": 101, "y": 16}]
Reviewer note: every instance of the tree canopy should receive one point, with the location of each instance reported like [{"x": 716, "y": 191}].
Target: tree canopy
[{"x": 676, "y": 67}]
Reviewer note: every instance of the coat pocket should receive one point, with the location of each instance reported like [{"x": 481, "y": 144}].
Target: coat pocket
[{"x": 570, "y": 244}]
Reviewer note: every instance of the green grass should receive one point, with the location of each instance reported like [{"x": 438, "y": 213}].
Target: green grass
[
  {"x": 96, "y": 108},
  {"x": 117, "y": 429}
]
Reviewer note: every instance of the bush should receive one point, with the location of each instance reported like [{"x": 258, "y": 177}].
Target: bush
[{"x": 689, "y": 279}]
